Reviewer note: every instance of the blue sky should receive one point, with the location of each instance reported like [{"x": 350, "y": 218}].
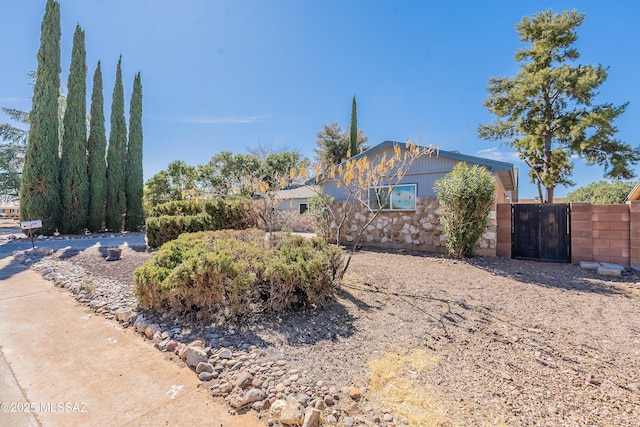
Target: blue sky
[{"x": 231, "y": 75}]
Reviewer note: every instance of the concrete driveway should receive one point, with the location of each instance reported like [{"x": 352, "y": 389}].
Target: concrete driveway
[{"x": 62, "y": 365}]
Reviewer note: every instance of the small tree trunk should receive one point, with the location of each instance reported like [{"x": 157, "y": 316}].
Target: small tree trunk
[{"x": 550, "y": 194}]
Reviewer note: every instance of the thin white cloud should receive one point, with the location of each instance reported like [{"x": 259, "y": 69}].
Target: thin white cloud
[
  {"x": 500, "y": 155},
  {"x": 218, "y": 120},
  {"x": 12, "y": 99}
]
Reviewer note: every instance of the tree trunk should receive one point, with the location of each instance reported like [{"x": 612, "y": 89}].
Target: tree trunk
[{"x": 550, "y": 194}]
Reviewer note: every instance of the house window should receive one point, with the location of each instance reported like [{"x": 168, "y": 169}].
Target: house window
[
  {"x": 303, "y": 208},
  {"x": 400, "y": 198}
]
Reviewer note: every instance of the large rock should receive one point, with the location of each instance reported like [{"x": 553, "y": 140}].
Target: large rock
[
  {"x": 293, "y": 413},
  {"x": 311, "y": 417},
  {"x": 195, "y": 355},
  {"x": 251, "y": 396},
  {"x": 244, "y": 379}
]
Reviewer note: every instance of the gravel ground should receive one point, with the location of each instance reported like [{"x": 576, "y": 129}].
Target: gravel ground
[{"x": 513, "y": 342}]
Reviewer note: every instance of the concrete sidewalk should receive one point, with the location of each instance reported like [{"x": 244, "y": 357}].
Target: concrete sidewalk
[{"x": 61, "y": 365}]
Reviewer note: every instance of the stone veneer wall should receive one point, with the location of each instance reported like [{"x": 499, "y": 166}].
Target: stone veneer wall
[
  {"x": 413, "y": 230},
  {"x": 291, "y": 219}
]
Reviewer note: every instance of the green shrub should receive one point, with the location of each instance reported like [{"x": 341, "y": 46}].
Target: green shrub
[
  {"x": 319, "y": 209},
  {"x": 232, "y": 273},
  {"x": 168, "y": 220},
  {"x": 163, "y": 229},
  {"x": 177, "y": 208},
  {"x": 235, "y": 214},
  {"x": 466, "y": 195}
]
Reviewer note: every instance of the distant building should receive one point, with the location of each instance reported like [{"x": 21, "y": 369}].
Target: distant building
[{"x": 10, "y": 209}]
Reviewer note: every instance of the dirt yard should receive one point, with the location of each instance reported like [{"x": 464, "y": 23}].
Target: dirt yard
[{"x": 480, "y": 342}]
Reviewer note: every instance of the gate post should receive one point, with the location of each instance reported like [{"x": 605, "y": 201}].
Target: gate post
[
  {"x": 581, "y": 232},
  {"x": 634, "y": 233},
  {"x": 503, "y": 231}
]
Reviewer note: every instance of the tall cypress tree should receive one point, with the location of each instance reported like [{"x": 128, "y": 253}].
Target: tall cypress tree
[
  {"x": 116, "y": 158},
  {"x": 97, "y": 149},
  {"x": 40, "y": 186},
  {"x": 134, "y": 181},
  {"x": 353, "y": 134},
  {"x": 74, "y": 188}
]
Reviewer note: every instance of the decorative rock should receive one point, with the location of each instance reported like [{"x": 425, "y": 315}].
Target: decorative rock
[
  {"x": 303, "y": 399},
  {"x": 205, "y": 376},
  {"x": 280, "y": 387},
  {"x": 225, "y": 353},
  {"x": 328, "y": 400},
  {"x": 277, "y": 407},
  {"x": 244, "y": 379},
  {"x": 251, "y": 396},
  {"x": 352, "y": 409},
  {"x": 195, "y": 355},
  {"x": 292, "y": 414},
  {"x": 125, "y": 315},
  {"x": 204, "y": 367},
  {"x": 331, "y": 419},
  {"x": 311, "y": 417},
  {"x": 387, "y": 418},
  {"x": 354, "y": 393},
  {"x": 171, "y": 345},
  {"x": 348, "y": 421}
]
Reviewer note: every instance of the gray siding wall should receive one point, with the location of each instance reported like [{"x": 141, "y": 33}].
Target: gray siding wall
[{"x": 424, "y": 172}]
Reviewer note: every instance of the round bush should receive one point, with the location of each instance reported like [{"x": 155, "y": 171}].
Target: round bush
[{"x": 236, "y": 272}]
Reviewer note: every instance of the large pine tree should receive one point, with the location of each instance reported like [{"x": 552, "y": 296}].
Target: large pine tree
[
  {"x": 40, "y": 186},
  {"x": 135, "y": 182},
  {"x": 73, "y": 159},
  {"x": 116, "y": 158},
  {"x": 97, "y": 149}
]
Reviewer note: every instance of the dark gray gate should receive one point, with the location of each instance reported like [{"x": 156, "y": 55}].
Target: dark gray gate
[{"x": 541, "y": 232}]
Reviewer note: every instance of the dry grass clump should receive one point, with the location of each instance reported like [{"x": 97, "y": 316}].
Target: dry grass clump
[{"x": 395, "y": 381}]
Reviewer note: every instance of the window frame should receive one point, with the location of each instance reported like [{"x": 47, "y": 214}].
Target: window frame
[{"x": 389, "y": 205}]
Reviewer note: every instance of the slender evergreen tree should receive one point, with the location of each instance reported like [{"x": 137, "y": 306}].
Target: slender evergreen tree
[
  {"x": 116, "y": 158},
  {"x": 40, "y": 186},
  {"x": 74, "y": 186},
  {"x": 353, "y": 133},
  {"x": 135, "y": 182},
  {"x": 97, "y": 149}
]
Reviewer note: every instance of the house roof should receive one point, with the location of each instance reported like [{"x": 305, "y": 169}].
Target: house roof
[
  {"x": 506, "y": 171},
  {"x": 301, "y": 192}
]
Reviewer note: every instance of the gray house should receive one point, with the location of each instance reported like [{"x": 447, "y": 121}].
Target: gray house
[{"x": 410, "y": 218}]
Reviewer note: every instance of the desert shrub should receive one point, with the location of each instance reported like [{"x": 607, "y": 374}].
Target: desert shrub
[
  {"x": 165, "y": 228},
  {"x": 177, "y": 208},
  {"x": 466, "y": 195},
  {"x": 319, "y": 209},
  {"x": 168, "y": 220},
  {"x": 235, "y": 214},
  {"x": 232, "y": 273}
]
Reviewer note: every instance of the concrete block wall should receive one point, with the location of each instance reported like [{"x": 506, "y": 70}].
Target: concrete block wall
[
  {"x": 600, "y": 233},
  {"x": 634, "y": 233}
]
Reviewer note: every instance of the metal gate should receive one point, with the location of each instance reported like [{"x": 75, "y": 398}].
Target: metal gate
[{"x": 541, "y": 232}]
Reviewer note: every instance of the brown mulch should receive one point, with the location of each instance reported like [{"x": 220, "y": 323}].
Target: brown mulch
[{"x": 514, "y": 342}]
